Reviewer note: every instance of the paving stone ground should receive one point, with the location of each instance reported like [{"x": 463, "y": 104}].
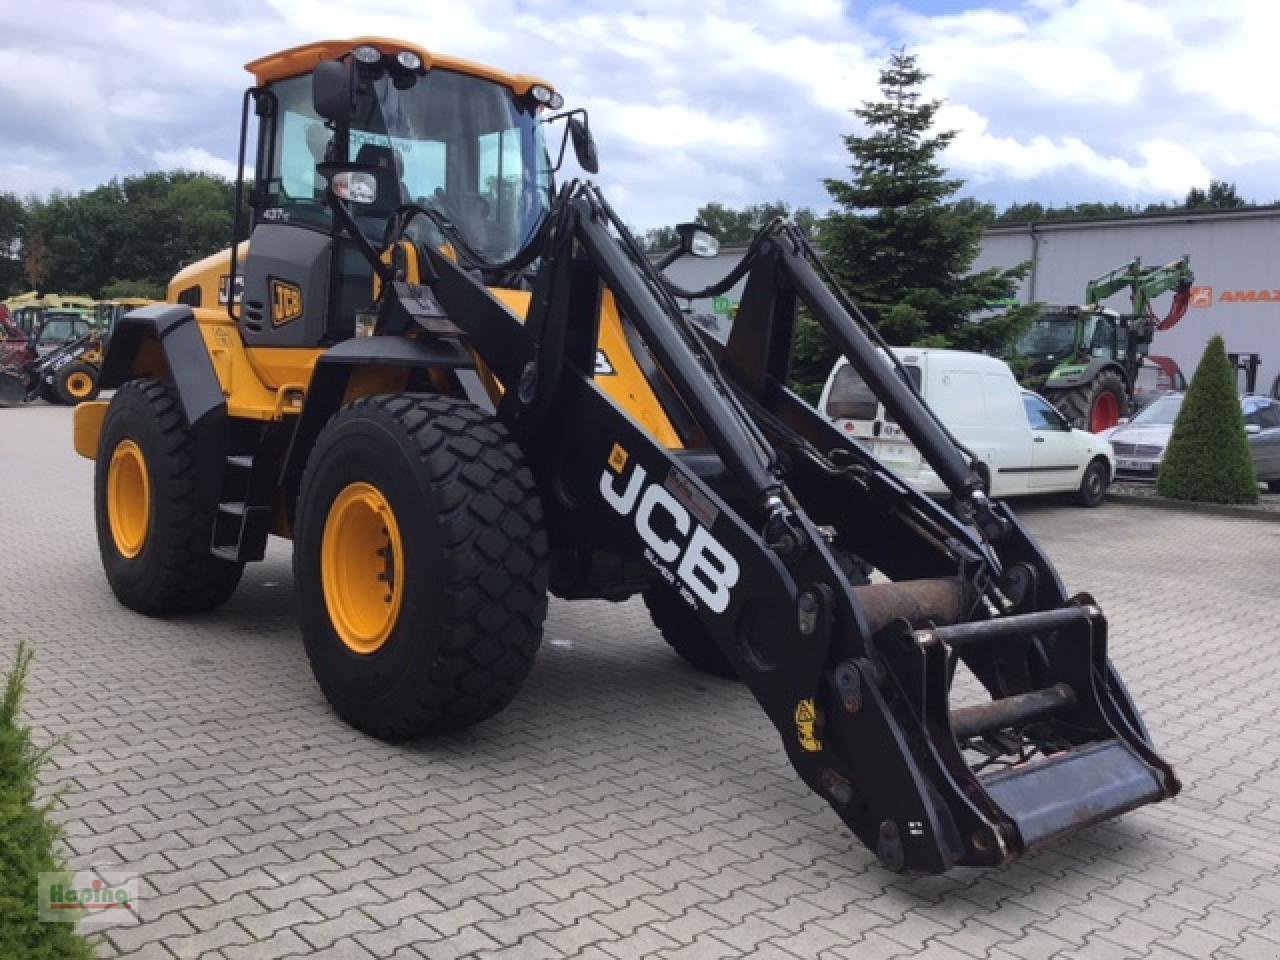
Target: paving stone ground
[{"x": 624, "y": 806}]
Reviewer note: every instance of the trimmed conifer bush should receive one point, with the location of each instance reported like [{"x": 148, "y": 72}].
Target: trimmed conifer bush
[
  {"x": 28, "y": 838},
  {"x": 1208, "y": 457}
]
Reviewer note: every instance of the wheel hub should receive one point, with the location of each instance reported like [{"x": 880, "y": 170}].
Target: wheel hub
[
  {"x": 128, "y": 499},
  {"x": 79, "y": 385},
  {"x": 362, "y": 563}
]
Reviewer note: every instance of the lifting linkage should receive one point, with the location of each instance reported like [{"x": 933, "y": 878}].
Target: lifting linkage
[{"x": 749, "y": 519}]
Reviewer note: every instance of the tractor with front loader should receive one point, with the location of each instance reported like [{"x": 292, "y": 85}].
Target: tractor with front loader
[
  {"x": 457, "y": 387},
  {"x": 1085, "y": 359}
]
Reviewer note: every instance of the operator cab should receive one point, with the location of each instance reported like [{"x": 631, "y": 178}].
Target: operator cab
[{"x": 462, "y": 143}]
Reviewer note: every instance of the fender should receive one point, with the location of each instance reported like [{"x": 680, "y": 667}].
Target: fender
[
  {"x": 173, "y": 329},
  {"x": 333, "y": 372}
]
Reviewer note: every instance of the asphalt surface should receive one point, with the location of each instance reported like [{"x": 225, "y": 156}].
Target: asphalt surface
[{"x": 624, "y": 805}]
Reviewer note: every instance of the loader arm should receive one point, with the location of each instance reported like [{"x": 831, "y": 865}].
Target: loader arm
[
  {"x": 745, "y": 525},
  {"x": 1144, "y": 285}
]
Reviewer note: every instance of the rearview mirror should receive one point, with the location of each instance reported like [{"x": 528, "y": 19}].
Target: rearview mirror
[
  {"x": 331, "y": 91},
  {"x": 584, "y": 146},
  {"x": 353, "y": 182},
  {"x": 697, "y": 240}
]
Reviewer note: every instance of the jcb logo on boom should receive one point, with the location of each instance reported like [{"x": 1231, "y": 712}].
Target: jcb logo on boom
[{"x": 705, "y": 567}]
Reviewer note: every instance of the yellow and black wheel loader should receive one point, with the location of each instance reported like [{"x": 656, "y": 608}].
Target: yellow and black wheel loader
[{"x": 457, "y": 386}]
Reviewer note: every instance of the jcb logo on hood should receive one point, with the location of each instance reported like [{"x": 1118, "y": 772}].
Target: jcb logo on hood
[{"x": 663, "y": 522}]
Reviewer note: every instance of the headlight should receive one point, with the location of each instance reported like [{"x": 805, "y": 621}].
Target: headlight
[
  {"x": 367, "y": 54},
  {"x": 546, "y": 96},
  {"x": 409, "y": 60}
]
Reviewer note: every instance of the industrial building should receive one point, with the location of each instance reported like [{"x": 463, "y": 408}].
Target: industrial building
[{"x": 1235, "y": 255}]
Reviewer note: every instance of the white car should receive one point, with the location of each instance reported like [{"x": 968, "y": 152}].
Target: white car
[{"x": 1022, "y": 444}]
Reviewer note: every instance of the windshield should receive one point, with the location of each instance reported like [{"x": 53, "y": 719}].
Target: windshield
[
  {"x": 467, "y": 147},
  {"x": 1054, "y": 334},
  {"x": 1163, "y": 412}
]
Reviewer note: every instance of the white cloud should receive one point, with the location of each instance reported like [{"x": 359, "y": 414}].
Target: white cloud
[
  {"x": 1055, "y": 100},
  {"x": 1159, "y": 167},
  {"x": 195, "y": 159}
]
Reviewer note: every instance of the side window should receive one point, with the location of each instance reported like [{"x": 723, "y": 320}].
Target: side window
[
  {"x": 301, "y": 140},
  {"x": 1040, "y": 415}
]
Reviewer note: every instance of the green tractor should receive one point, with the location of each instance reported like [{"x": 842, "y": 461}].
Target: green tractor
[{"x": 1085, "y": 359}]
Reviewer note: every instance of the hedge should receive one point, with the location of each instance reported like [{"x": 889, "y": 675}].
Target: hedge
[{"x": 1208, "y": 458}]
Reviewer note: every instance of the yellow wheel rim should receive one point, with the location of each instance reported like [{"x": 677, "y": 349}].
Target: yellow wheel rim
[
  {"x": 79, "y": 385},
  {"x": 362, "y": 567},
  {"x": 128, "y": 499}
]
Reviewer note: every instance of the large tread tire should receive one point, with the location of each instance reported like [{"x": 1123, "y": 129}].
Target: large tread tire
[
  {"x": 475, "y": 564},
  {"x": 689, "y": 637},
  {"x": 63, "y": 384},
  {"x": 175, "y": 572},
  {"x": 1077, "y": 403}
]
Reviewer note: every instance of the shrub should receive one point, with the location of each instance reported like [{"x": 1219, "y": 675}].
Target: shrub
[
  {"x": 28, "y": 838},
  {"x": 1208, "y": 457}
]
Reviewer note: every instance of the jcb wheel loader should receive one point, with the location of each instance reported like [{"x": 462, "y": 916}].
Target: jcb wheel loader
[{"x": 455, "y": 387}]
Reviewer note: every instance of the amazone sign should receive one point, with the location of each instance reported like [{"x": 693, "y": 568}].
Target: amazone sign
[{"x": 1203, "y": 296}]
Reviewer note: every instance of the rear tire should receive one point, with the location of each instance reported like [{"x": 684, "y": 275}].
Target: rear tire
[
  {"x": 466, "y": 601},
  {"x": 76, "y": 383},
  {"x": 1094, "y": 483},
  {"x": 156, "y": 550},
  {"x": 1096, "y": 405}
]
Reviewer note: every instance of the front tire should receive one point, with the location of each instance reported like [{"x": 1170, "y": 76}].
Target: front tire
[
  {"x": 154, "y": 527},
  {"x": 421, "y": 565},
  {"x": 1096, "y": 405},
  {"x": 1094, "y": 483},
  {"x": 76, "y": 383}
]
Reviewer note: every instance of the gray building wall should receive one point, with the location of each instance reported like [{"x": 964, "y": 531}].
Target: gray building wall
[{"x": 1235, "y": 256}]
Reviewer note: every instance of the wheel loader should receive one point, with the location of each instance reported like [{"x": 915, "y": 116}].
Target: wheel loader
[{"x": 458, "y": 386}]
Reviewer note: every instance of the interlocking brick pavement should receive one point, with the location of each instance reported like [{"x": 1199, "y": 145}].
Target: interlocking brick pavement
[{"x": 624, "y": 805}]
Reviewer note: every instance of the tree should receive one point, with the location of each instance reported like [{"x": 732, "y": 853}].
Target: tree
[
  {"x": 35, "y": 262},
  {"x": 731, "y": 227},
  {"x": 1220, "y": 196},
  {"x": 122, "y": 289},
  {"x": 1208, "y": 457},
  {"x": 899, "y": 243},
  {"x": 29, "y": 835},
  {"x": 13, "y": 224},
  {"x": 139, "y": 228}
]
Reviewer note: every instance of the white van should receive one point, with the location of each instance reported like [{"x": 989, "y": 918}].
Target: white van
[{"x": 1023, "y": 445}]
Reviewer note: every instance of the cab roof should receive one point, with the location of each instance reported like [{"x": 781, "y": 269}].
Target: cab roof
[{"x": 297, "y": 61}]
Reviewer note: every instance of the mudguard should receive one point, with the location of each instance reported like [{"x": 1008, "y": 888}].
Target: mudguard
[{"x": 174, "y": 329}]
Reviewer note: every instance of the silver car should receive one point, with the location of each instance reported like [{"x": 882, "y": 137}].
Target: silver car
[{"x": 1140, "y": 444}]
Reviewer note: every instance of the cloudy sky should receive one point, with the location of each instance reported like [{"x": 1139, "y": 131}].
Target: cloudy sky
[{"x": 743, "y": 101}]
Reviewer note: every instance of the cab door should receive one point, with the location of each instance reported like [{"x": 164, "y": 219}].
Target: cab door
[{"x": 1056, "y": 461}]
